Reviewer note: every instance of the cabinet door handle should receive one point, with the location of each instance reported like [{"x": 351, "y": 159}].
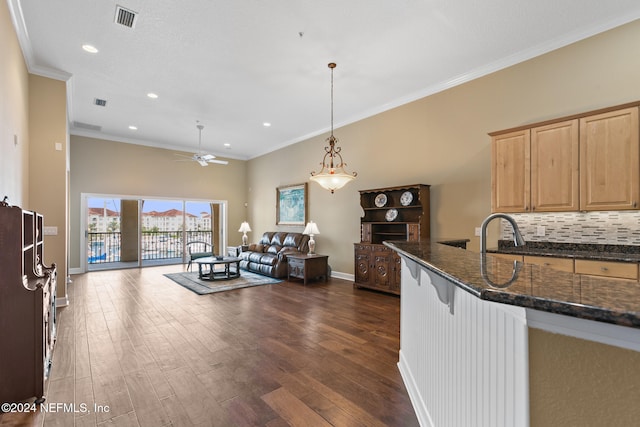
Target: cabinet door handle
[
  {"x": 635, "y": 204},
  {"x": 604, "y": 269},
  {"x": 546, "y": 264}
]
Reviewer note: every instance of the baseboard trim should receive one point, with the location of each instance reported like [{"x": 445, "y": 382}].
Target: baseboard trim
[
  {"x": 422, "y": 413},
  {"x": 343, "y": 276},
  {"x": 62, "y": 301}
]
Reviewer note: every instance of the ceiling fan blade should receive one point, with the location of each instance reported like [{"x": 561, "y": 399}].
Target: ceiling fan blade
[
  {"x": 207, "y": 157},
  {"x": 220, "y": 162},
  {"x": 202, "y": 162}
]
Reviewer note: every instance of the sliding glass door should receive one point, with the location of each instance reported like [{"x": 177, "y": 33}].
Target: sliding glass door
[
  {"x": 162, "y": 226},
  {"x": 126, "y": 232}
]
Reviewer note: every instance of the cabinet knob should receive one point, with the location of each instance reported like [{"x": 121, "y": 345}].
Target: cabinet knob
[{"x": 604, "y": 269}]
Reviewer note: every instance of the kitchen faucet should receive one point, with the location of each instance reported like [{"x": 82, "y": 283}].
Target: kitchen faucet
[{"x": 517, "y": 237}]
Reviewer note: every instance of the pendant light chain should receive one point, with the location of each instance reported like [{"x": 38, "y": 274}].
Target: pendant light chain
[{"x": 332, "y": 66}]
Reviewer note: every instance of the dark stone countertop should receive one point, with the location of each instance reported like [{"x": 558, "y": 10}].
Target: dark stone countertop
[
  {"x": 622, "y": 253},
  {"x": 537, "y": 287}
]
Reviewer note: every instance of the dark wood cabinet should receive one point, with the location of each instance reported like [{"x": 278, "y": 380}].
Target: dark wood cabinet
[
  {"x": 307, "y": 267},
  {"x": 390, "y": 213},
  {"x": 27, "y": 306}
]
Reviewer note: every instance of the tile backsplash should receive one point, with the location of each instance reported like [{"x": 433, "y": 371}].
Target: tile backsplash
[{"x": 607, "y": 227}]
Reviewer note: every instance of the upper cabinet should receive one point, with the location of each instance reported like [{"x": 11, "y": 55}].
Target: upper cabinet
[
  {"x": 554, "y": 167},
  {"x": 583, "y": 162},
  {"x": 510, "y": 172},
  {"x": 609, "y": 161}
]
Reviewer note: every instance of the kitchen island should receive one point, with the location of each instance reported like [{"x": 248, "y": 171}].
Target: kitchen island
[{"x": 466, "y": 321}]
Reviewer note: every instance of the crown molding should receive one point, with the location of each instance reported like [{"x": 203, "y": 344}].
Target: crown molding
[{"x": 17, "y": 17}]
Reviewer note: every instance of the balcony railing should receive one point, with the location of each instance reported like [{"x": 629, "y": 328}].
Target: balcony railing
[{"x": 154, "y": 245}]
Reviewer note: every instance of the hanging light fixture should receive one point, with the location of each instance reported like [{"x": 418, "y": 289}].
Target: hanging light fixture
[{"x": 332, "y": 176}]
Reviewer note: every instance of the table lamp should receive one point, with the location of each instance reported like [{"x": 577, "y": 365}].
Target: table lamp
[
  {"x": 311, "y": 229},
  {"x": 244, "y": 227}
]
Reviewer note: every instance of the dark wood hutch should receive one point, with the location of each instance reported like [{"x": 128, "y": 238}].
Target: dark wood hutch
[
  {"x": 27, "y": 306},
  {"x": 390, "y": 213}
]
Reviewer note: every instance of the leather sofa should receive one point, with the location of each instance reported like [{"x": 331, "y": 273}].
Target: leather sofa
[{"x": 269, "y": 255}]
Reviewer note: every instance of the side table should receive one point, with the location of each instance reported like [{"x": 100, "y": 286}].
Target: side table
[
  {"x": 236, "y": 250},
  {"x": 307, "y": 267}
]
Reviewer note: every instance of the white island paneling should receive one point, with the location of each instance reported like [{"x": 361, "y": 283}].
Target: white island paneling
[{"x": 464, "y": 361}]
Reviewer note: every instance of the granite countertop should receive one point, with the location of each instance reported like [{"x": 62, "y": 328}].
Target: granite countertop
[
  {"x": 537, "y": 287},
  {"x": 622, "y": 253}
]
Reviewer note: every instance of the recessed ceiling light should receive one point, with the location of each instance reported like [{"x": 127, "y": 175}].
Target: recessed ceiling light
[
  {"x": 266, "y": 124},
  {"x": 226, "y": 144},
  {"x": 152, "y": 95},
  {"x": 132, "y": 127},
  {"x": 89, "y": 48}
]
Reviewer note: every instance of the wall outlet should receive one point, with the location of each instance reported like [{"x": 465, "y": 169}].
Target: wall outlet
[
  {"x": 478, "y": 231},
  {"x": 540, "y": 231}
]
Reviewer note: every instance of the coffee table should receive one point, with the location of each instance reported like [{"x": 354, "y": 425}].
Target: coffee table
[{"x": 207, "y": 268}]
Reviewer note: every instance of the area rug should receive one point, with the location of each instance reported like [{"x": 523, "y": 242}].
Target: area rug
[{"x": 190, "y": 281}]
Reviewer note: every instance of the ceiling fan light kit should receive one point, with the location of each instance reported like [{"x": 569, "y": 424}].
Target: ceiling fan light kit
[{"x": 200, "y": 157}]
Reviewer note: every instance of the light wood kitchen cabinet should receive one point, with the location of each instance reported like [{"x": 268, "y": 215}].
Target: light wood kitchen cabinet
[
  {"x": 510, "y": 172},
  {"x": 555, "y": 167},
  {"x": 562, "y": 264},
  {"x": 610, "y": 160},
  {"x": 536, "y": 169},
  {"x": 586, "y": 162},
  {"x": 612, "y": 269},
  {"x": 508, "y": 257}
]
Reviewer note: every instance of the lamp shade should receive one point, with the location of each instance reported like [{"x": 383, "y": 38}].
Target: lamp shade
[
  {"x": 311, "y": 229},
  {"x": 332, "y": 180},
  {"x": 244, "y": 227}
]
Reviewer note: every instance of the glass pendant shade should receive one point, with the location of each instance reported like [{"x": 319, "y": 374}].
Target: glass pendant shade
[{"x": 332, "y": 180}]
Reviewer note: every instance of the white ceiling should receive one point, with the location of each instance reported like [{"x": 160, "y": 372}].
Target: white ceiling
[{"x": 234, "y": 64}]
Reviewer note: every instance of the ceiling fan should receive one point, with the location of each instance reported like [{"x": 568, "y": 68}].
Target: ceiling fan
[{"x": 200, "y": 156}]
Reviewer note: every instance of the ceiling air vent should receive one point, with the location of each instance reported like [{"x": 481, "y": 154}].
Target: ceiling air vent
[
  {"x": 100, "y": 102},
  {"x": 125, "y": 17},
  {"x": 87, "y": 126}
]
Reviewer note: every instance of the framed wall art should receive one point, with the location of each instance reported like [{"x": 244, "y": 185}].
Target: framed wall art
[{"x": 291, "y": 204}]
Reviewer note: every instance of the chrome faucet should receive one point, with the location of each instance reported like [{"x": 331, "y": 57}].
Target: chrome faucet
[{"x": 517, "y": 237}]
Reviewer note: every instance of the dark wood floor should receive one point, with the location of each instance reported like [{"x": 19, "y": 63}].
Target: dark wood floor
[{"x": 156, "y": 354}]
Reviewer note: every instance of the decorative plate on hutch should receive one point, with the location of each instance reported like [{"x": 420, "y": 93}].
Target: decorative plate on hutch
[
  {"x": 406, "y": 198},
  {"x": 391, "y": 214},
  {"x": 380, "y": 200}
]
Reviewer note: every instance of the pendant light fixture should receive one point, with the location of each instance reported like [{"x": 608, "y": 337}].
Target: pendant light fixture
[{"x": 332, "y": 176}]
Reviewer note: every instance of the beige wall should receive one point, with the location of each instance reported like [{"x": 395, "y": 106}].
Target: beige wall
[
  {"x": 14, "y": 115},
  {"x": 442, "y": 140},
  {"x": 48, "y": 166},
  {"x": 33, "y": 114},
  {"x": 107, "y": 167}
]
